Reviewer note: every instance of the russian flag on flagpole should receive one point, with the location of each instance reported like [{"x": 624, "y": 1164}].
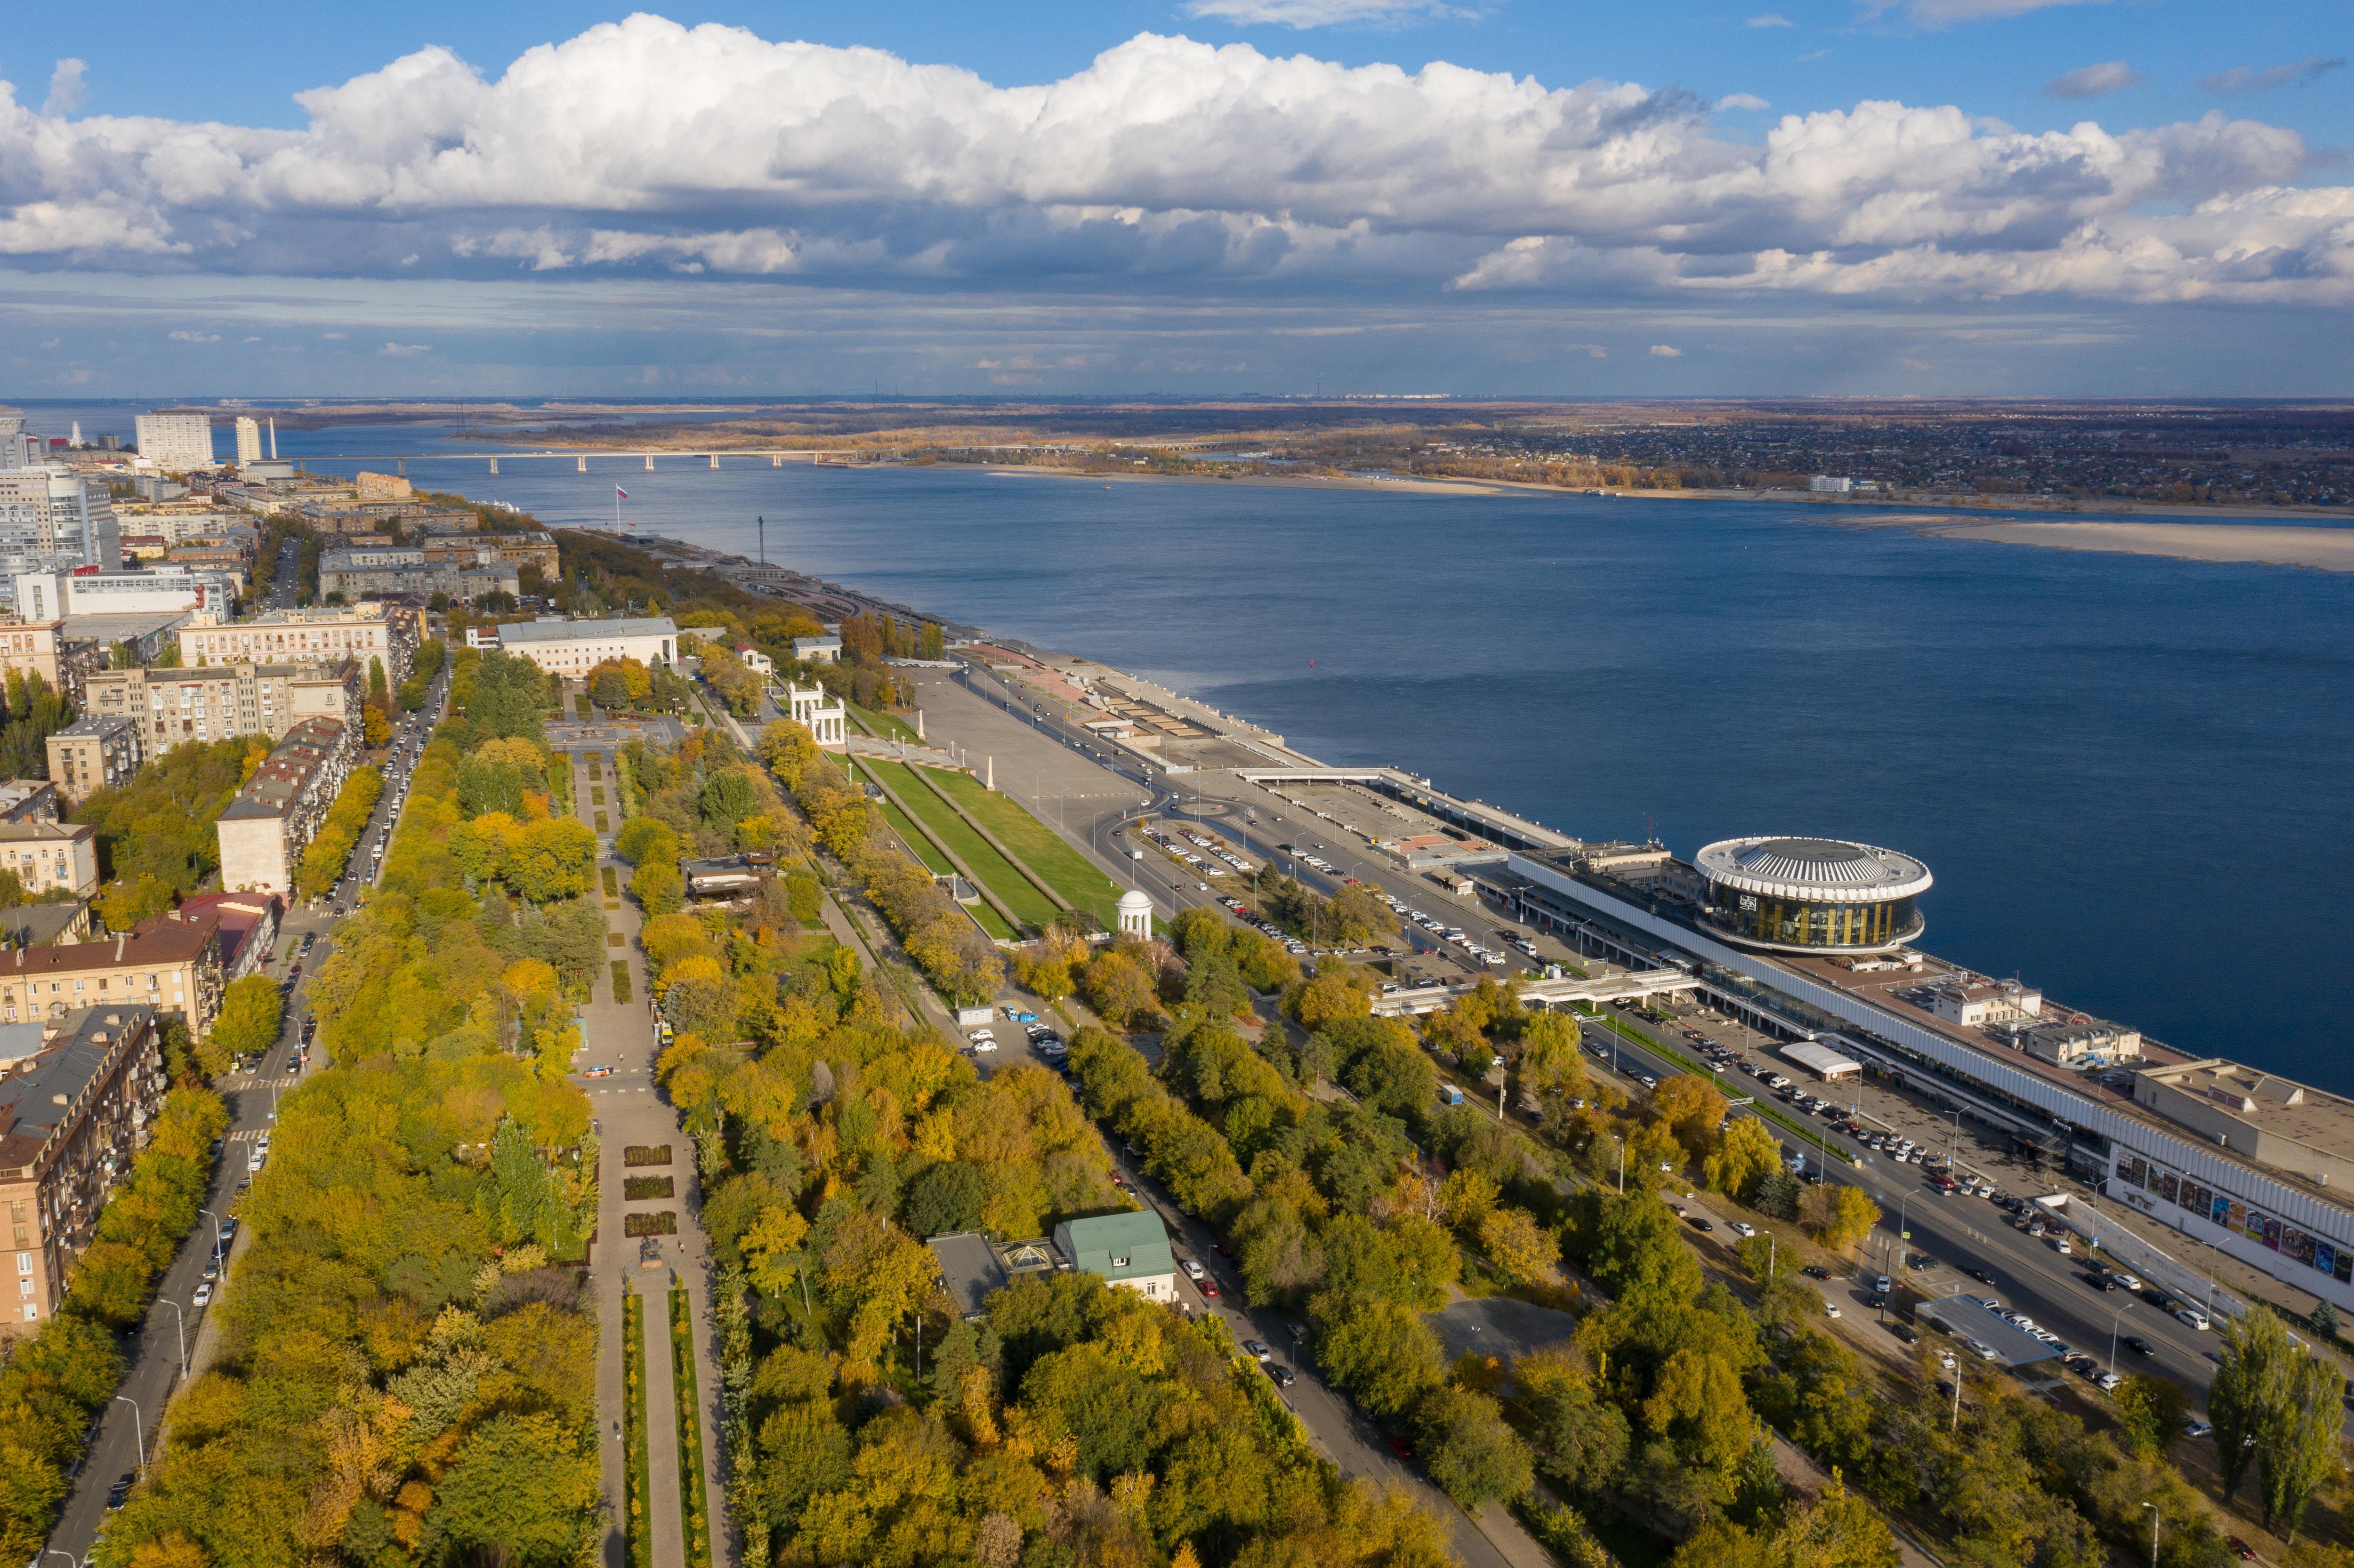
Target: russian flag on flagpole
[{"x": 620, "y": 491}]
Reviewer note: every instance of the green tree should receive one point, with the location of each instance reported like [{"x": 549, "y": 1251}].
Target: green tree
[
  {"x": 251, "y": 1012},
  {"x": 2297, "y": 1447},
  {"x": 2252, "y": 1378},
  {"x": 1635, "y": 1253},
  {"x": 1470, "y": 1452},
  {"x": 551, "y": 859},
  {"x": 2149, "y": 1413},
  {"x": 523, "y": 1490}
]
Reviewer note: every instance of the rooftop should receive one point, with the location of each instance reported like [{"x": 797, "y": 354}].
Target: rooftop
[
  {"x": 168, "y": 939},
  {"x": 124, "y": 626},
  {"x": 92, "y": 724},
  {"x": 1821, "y": 870},
  {"x": 41, "y": 1098},
  {"x": 284, "y": 773},
  {"x": 565, "y": 631},
  {"x": 1131, "y": 1246},
  {"x": 44, "y": 833}
]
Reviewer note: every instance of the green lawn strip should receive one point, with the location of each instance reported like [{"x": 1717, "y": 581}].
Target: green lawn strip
[
  {"x": 923, "y": 850},
  {"x": 637, "y": 1528},
  {"x": 937, "y": 781},
  {"x": 1012, "y": 888},
  {"x": 1074, "y": 877},
  {"x": 621, "y": 979},
  {"x": 884, "y": 724},
  {"x": 694, "y": 1500}
]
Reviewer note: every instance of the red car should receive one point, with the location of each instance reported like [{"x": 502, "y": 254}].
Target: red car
[
  {"x": 1209, "y": 1287},
  {"x": 2247, "y": 1552},
  {"x": 1220, "y": 1248},
  {"x": 1400, "y": 1447}
]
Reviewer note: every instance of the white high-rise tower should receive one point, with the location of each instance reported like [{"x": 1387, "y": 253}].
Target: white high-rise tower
[{"x": 249, "y": 440}]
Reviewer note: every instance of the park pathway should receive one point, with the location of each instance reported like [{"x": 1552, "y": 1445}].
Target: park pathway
[{"x": 632, "y": 1111}]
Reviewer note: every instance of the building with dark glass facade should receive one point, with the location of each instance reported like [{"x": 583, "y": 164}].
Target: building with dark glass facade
[{"x": 1811, "y": 894}]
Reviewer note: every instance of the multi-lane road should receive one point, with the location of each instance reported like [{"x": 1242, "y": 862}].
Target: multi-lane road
[{"x": 175, "y": 1324}]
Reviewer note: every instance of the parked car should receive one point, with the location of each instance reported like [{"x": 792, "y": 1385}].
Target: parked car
[
  {"x": 1258, "y": 1351},
  {"x": 204, "y": 1295},
  {"x": 1283, "y": 1375}
]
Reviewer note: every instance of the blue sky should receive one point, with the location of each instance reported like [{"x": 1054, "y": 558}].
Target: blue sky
[{"x": 1999, "y": 197}]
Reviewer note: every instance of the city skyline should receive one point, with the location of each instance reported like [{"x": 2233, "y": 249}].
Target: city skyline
[{"x": 1993, "y": 197}]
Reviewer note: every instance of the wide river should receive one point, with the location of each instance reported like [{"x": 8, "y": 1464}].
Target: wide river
[{"x": 2132, "y": 777}]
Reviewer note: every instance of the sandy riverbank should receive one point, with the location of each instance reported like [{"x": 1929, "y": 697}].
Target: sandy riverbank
[{"x": 2322, "y": 549}]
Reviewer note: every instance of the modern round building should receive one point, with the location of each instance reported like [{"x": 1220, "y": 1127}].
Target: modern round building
[{"x": 1813, "y": 896}]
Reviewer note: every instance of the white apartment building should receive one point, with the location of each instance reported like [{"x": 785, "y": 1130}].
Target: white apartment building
[
  {"x": 175, "y": 442},
  {"x": 273, "y": 818},
  {"x": 249, "y": 440},
  {"x": 47, "y": 595}
]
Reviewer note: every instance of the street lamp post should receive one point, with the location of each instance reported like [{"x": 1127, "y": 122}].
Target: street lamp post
[
  {"x": 138, "y": 1430},
  {"x": 2153, "y": 1533},
  {"x": 216, "y": 1228},
  {"x": 1622, "y": 1162},
  {"x": 2113, "y": 1316},
  {"x": 183, "y": 1333}
]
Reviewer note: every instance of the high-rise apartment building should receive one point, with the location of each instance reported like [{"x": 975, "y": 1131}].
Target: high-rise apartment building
[
  {"x": 56, "y": 518},
  {"x": 249, "y": 440},
  {"x": 175, "y": 442}
]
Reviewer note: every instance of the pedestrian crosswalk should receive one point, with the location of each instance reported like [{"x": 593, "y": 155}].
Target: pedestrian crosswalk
[{"x": 245, "y": 1135}]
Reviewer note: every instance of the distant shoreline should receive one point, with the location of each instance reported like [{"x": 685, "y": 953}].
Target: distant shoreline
[{"x": 1400, "y": 485}]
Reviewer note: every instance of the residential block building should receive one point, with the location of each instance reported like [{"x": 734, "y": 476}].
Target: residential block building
[
  {"x": 72, "y": 1118},
  {"x": 95, "y": 752},
  {"x": 217, "y": 701},
  {"x": 361, "y": 632},
  {"x": 51, "y": 857},
  {"x": 28, "y": 800},
  {"x": 171, "y": 962},
  {"x": 266, "y": 829},
  {"x": 383, "y": 573},
  {"x": 174, "y": 442}
]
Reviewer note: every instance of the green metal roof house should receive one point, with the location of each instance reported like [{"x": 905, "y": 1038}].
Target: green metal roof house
[{"x": 1128, "y": 1250}]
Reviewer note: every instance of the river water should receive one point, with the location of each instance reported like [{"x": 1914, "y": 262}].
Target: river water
[{"x": 2132, "y": 777}]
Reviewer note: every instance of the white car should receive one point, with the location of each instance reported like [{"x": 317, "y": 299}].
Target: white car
[
  {"x": 204, "y": 1295},
  {"x": 1741, "y": 1227},
  {"x": 984, "y": 1044},
  {"x": 2106, "y": 1382},
  {"x": 1193, "y": 1270}
]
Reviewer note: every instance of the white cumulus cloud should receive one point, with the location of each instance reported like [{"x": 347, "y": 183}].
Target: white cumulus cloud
[
  {"x": 646, "y": 147},
  {"x": 2093, "y": 80},
  {"x": 400, "y": 350},
  {"x": 185, "y": 336},
  {"x": 1666, "y": 351},
  {"x": 1742, "y": 101},
  {"x": 67, "y": 85},
  {"x": 1771, "y": 19}
]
